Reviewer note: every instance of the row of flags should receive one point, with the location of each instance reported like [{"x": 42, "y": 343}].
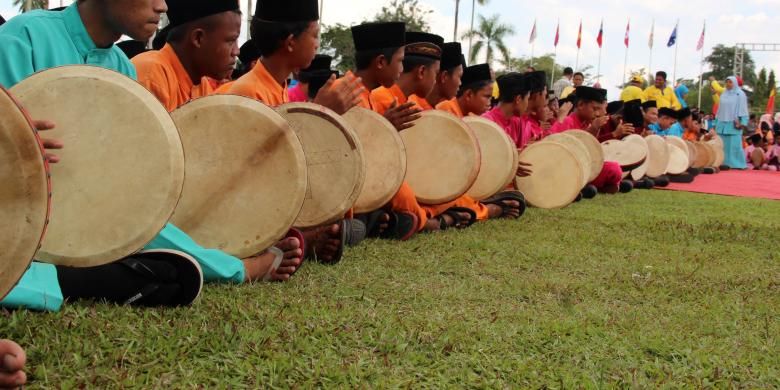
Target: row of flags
[{"x": 600, "y": 39}]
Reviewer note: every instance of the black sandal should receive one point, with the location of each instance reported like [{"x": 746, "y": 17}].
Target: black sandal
[
  {"x": 501, "y": 198},
  {"x": 189, "y": 277},
  {"x": 459, "y": 221}
]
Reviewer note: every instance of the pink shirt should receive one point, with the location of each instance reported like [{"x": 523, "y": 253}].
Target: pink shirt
[
  {"x": 532, "y": 129},
  {"x": 296, "y": 94},
  {"x": 512, "y": 126},
  {"x": 571, "y": 122}
]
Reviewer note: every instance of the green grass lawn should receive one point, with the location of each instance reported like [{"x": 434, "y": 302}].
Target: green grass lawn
[{"x": 651, "y": 288}]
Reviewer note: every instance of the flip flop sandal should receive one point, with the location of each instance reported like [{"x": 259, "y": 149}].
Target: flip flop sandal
[
  {"x": 295, "y": 233},
  {"x": 278, "y": 257},
  {"x": 353, "y": 231},
  {"x": 501, "y": 198},
  {"x": 373, "y": 222},
  {"x": 460, "y": 222},
  {"x": 589, "y": 192},
  {"x": 626, "y": 187},
  {"x": 402, "y": 226},
  {"x": 190, "y": 276}
]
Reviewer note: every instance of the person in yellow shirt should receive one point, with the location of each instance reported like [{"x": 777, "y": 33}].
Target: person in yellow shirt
[
  {"x": 716, "y": 90},
  {"x": 633, "y": 91},
  {"x": 662, "y": 94}
]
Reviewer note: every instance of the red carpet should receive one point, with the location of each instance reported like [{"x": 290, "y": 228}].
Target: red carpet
[{"x": 746, "y": 184}]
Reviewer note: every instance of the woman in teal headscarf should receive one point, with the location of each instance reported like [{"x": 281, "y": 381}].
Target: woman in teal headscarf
[
  {"x": 732, "y": 115},
  {"x": 681, "y": 92}
]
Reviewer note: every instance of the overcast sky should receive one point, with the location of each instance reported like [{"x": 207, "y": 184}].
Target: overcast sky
[{"x": 728, "y": 22}]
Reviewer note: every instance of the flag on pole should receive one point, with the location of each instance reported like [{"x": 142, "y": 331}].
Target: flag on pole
[
  {"x": 673, "y": 37},
  {"x": 652, "y": 34},
  {"x": 628, "y": 29},
  {"x": 770, "y": 105},
  {"x": 533, "y": 34},
  {"x": 600, "y": 38},
  {"x": 579, "y": 36},
  {"x": 700, "y": 45},
  {"x": 557, "y": 33}
]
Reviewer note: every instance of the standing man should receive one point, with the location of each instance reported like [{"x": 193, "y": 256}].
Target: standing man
[
  {"x": 578, "y": 80},
  {"x": 662, "y": 94},
  {"x": 565, "y": 81},
  {"x": 633, "y": 91}
]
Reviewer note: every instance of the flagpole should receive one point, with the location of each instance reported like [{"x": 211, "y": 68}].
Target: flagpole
[
  {"x": 701, "y": 63},
  {"x": 650, "y": 65},
  {"x": 577, "y": 63},
  {"x": 555, "y": 59},
  {"x": 598, "y": 70},
  {"x": 625, "y": 60},
  {"x": 676, "y": 49},
  {"x": 532, "y": 53}
]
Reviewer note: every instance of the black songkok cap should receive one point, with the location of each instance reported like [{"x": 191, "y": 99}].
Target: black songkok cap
[
  {"x": 474, "y": 74},
  {"x": 649, "y": 104},
  {"x": 666, "y": 111},
  {"x": 511, "y": 85},
  {"x": 591, "y": 94},
  {"x": 614, "y": 107},
  {"x": 451, "y": 56},
  {"x": 184, "y": 11},
  {"x": 536, "y": 81},
  {"x": 286, "y": 10},
  {"x": 377, "y": 36}
]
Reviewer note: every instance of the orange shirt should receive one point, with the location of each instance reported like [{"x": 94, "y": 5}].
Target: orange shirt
[
  {"x": 690, "y": 136},
  {"x": 260, "y": 85},
  {"x": 422, "y": 102},
  {"x": 162, "y": 73},
  {"x": 382, "y": 98},
  {"x": 452, "y": 106}
]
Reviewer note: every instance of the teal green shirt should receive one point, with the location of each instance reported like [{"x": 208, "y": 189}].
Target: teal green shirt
[{"x": 39, "y": 40}]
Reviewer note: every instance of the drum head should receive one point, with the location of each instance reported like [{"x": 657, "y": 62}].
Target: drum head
[
  {"x": 334, "y": 159},
  {"x": 691, "y": 153},
  {"x": 557, "y": 175},
  {"x": 443, "y": 157},
  {"x": 716, "y": 141},
  {"x": 579, "y": 150},
  {"x": 385, "y": 158},
  {"x": 639, "y": 172},
  {"x": 246, "y": 174},
  {"x": 594, "y": 150},
  {"x": 757, "y": 158},
  {"x": 720, "y": 156},
  {"x": 703, "y": 155},
  {"x": 122, "y": 167},
  {"x": 629, "y": 155},
  {"x": 24, "y": 194},
  {"x": 678, "y": 160},
  {"x": 658, "y": 155},
  {"x": 498, "y": 158},
  {"x": 680, "y": 144}
]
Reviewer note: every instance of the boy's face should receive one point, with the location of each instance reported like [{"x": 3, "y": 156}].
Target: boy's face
[
  {"x": 538, "y": 100},
  {"x": 390, "y": 69},
  {"x": 426, "y": 79},
  {"x": 137, "y": 19},
  {"x": 665, "y": 122},
  {"x": 651, "y": 115},
  {"x": 449, "y": 82},
  {"x": 219, "y": 45},
  {"x": 478, "y": 102},
  {"x": 305, "y": 46}
]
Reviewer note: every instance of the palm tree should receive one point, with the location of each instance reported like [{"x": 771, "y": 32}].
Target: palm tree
[
  {"x": 36, "y": 4},
  {"x": 473, "y": 9},
  {"x": 490, "y": 35}
]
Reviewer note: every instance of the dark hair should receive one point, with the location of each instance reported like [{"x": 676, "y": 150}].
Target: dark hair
[
  {"x": 568, "y": 71},
  {"x": 268, "y": 36},
  {"x": 411, "y": 63},
  {"x": 475, "y": 86},
  {"x": 363, "y": 59},
  {"x": 510, "y": 96},
  {"x": 579, "y": 74},
  {"x": 178, "y": 33},
  {"x": 661, "y": 73}
]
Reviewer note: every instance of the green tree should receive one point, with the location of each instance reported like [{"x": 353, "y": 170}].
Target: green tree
[
  {"x": 36, "y": 4},
  {"x": 407, "y": 11},
  {"x": 772, "y": 82},
  {"x": 490, "y": 36},
  {"x": 336, "y": 40},
  {"x": 760, "y": 91},
  {"x": 721, "y": 61},
  {"x": 545, "y": 63}
]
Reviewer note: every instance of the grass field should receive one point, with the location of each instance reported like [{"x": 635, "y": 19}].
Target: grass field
[{"x": 647, "y": 289}]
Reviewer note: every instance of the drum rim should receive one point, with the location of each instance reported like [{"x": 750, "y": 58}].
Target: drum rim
[
  {"x": 507, "y": 179},
  {"x": 564, "y": 150},
  {"x": 21, "y": 116},
  {"x": 176, "y": 162}
]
